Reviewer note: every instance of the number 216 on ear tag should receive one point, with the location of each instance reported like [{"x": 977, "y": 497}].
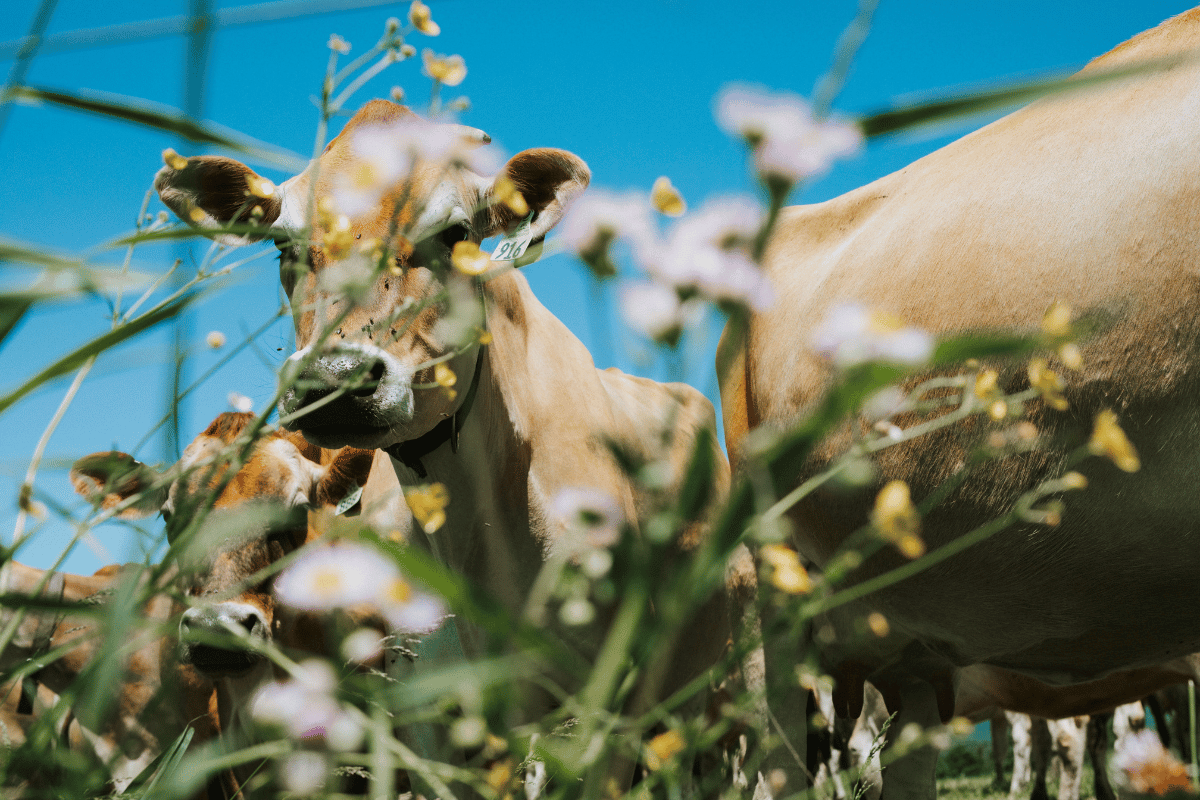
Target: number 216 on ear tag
[{"x": 514, "y": 245}]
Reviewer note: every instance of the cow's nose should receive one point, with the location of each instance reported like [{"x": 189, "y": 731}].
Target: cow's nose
[
  {"x": 359, "y": 373},
  {"x": 199, "y": 624}
]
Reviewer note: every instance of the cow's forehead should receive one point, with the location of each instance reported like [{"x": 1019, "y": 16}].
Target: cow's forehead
[{"x": 275, "y": 468}]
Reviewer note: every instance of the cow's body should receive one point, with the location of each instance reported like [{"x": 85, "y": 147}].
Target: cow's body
[
  {"x": 529, "y": 413},
  {"x": 157, "y": 698},
  {"x": 282, "y": 472},
  {"x": 1091, "y": 199}
]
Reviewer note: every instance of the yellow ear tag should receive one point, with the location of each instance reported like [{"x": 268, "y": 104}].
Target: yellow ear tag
[{"x": 514, "y": 245}]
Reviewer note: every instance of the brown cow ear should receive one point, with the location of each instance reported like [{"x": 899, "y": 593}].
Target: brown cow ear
[
  {"x": 211, "y": 192},
  {"x": 115, "y": 477},
  {"x": 345, "y": 474},
  {"x": 548, "y": 180}
]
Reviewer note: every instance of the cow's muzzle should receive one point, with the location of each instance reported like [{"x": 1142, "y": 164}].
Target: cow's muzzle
[
  {"x": 205, "y": 631},
  {"x": 376, "y": 396}
]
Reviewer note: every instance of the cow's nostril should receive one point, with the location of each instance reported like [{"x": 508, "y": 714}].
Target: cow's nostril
[{"x": 370, "y": 381}]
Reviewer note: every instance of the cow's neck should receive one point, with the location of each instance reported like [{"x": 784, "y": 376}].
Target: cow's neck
[{"x": 531, "y": 432}]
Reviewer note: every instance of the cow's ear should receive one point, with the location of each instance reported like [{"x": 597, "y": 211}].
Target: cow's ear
[
  {"x": 211, "y": 192},
  {"x": 547, "y": 179},
  {"x": 344, "y": 475},
  {"x": 115, "y": 477}
]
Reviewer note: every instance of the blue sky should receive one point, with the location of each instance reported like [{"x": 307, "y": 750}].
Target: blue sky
[{"x": 628, "y": 86}]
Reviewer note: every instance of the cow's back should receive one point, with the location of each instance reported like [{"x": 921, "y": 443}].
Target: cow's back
[{"x": 1092, "y": 199}]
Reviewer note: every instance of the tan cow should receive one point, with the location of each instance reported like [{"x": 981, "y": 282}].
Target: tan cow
[
  {"x": 282, "y": 477},
  {"x": 529, "y": 413},
  {"x": 156, "y": 700},
  {"x": 1091, "y": 199}
]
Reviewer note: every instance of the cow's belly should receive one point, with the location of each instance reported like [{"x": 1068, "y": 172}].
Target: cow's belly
[{"x": 1115, "y": 585}]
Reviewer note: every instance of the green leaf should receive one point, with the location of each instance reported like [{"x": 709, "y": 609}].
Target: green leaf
[
  {"x": 164, "y": 764},
  {"x": 947, "y": 109},
  {"x": 958, "y": 349},
  {"x": 98, "y": 345},
  {"x": 480, "y": 607},
  {"x": 141, "y": 112},
  {"x": 12, "y": 309}
]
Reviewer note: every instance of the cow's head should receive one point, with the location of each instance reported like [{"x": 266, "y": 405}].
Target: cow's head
[
  {"x": 392, "y": 195},
  {"x": 258, "y": 515}
]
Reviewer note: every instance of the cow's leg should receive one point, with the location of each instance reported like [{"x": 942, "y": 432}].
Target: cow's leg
[
  {"x": 911, "y": 777},
  {"x": 1097, "y": 748},
  {"x": 1154, "y": 706},
  {"x": 1022, "y": 737},
  {"x": 862, "y": 743},
  {"x": 1068, "y": 739},
  {"x": 999, "y": 728},
  {"x": 1039, "y": 758}
]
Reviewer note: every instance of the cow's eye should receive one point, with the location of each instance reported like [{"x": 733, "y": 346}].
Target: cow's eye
[{"x": 454, "y": 234}]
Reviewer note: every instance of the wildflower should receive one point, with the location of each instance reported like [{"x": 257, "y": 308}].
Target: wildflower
[
  {"x": 500, "y": 776},
  {"x": 505, "y": 191},
  {"x": 363, "y": 645},
  {"x": 428, "y": 505},
  {"x": 878, "y": 624},
  {"x": 215, "y": 339},
  {"x": 1070, "y": 355},
  {"x": 259, "y": 187},
  {"x": 173, "y": 159},
  {"x": 707, "y": 253},
  {"x": 1056, "y": 322},
  {"x": 304, "y": 772},
  {"x": 330, "y": 576},
  {"x": 850, "y": 335},
  {"x": 420, "y": 17},
  {"x": 666, "y": 198},
  {"x": 444, "y": 376},
  {"x": 1110, "y": 441},
  {"x": 450, "y": 70},
  {"x": 1048, "y": 383},
  {"x": 599, "y": 218},
  {"x": 378, "y": 159},
  {"x": 338, "y": 44},
  {"x": 306, "y": 708},
  {"x": 593, "y": 515},
  {"x": 408, "y": 610},
  {"x": 577, "y": 611},
  {"x": 987, "y": 384},
  {"x": 407, "y": 51},
  {"x": 787, "y": 573},
  {"x": 240, "y": 402},
  {"x": 663, "y": 748},
  {"x": 338, "y": 240},
  {"x": 468, "y": 731},
  {"x": 469, "y": 259},
  {"x": 1074, "y": 480},
  {"x": 656, "y": 312},
  {"x": 961, "y": 726},
  {"x": 789, "y": 143},
  {"x": 897, "y": 519},
  {"x": 1150, "y": 768},
  {"x": 397, "y": 94}
]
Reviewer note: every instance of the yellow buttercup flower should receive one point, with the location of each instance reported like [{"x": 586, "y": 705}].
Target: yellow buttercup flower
[
  {"x": 666, "y": 198},
  {"x": 173, "y": 159},
  {"x": 1057, "y": 320},
  {"x": 663, "y": 748},
  {"x": 450, "y": 70},
  {"x": 505, "y": 191},
  {"x": 259, "y": 187},
  {"x": 468, "y": 259},
  {"x": 897, "y": 519},
  {"x": 1110, "y": 441},
  {"x": 1048, "y": 384},
  {"x": 428, "y": 505},
  {"x": 420, "y": 17},
  {"x": 339, "y": 239},
  {"x": 878, "y": 624},
  {"x": 787, "y": 573}
]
